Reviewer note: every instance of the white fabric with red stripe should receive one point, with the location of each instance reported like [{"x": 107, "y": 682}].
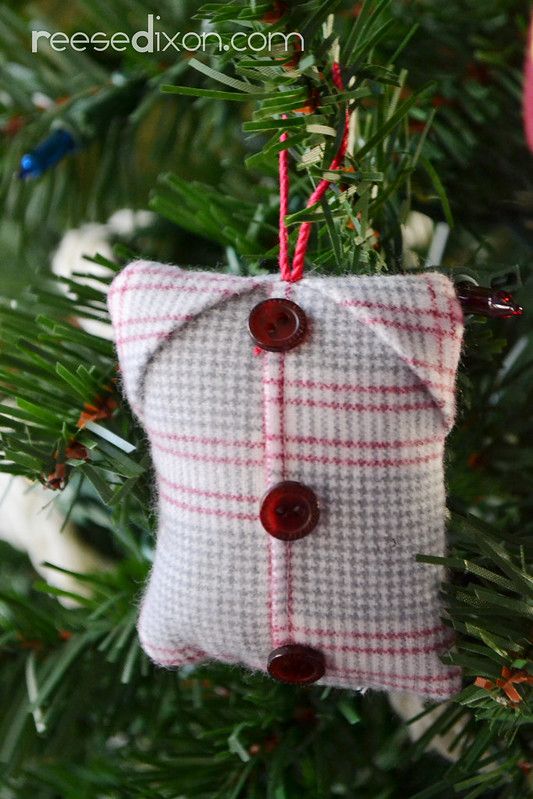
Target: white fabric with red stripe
[{"x": 359, "y": 412}]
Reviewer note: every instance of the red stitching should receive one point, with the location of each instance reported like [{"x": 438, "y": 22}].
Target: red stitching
[
  {"x": 208, "y": 458},
  {"x": 248, "y": 517},
  {"x": 144, "y": 320},
  {"x": 363, "y": 389},
  {"x": 301, "y": 458},
  {"x": 380, "y": 674},
  {"x": 381, "y": 306},
  {"x": 403, "y": 650},
  {"x": 290, "y": 587},
  {"x": 433, "y": 295},
  {"x": 380, "y": 636},
  {"x": 436, "y": 331},
  {"x": 359, "y": 406},
  {"x": 277, "y": 401},
  {"x": 336, "y": 442},
  {"x": 173, "y": 287},
  {"x": 268, "y": 479},
  {"x": 178, "y": 276},
  {"x": 388, "y": 462},
  {"x": 209, "y": 494},
  {"x": 313, "y": 440},
  {"x": 225, "y": 442},
  {"x": 281, "y": 407},
  {"x": 287, "y": 547},
  {"x": 159, "y": 336},
  {"x": 270, "y": 591},
  {"x": 426, "y": 365}
]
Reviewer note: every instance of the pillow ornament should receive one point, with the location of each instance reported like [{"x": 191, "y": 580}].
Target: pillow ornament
[
  {"x": 297, "y": 428},
  {"x": 297, "y": 432}
]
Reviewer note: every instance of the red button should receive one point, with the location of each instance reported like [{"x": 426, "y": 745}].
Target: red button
[
  {"x": 296, "y": 664},
  {"x": 277, "y": 325},
  {"x": 289, "y": 511}
]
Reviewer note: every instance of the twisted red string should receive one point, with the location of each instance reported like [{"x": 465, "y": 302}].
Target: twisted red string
[
  {"x": 294, "y": 273},
  {"x": 284, "y": 186}
]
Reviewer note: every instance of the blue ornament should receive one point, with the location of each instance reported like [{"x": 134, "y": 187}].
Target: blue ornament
[{"x": 52, "y": 150}]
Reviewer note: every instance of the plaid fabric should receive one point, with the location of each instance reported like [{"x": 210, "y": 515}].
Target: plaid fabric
[{"x": 358, "y": 412}]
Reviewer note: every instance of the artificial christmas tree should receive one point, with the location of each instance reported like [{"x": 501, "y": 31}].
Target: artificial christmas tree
[{"x": 84, "y": 713}]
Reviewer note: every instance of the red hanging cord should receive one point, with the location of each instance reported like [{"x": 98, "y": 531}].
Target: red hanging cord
[
  {"x": 284, "y": 186},
  {"x": 294, "y": 273}
]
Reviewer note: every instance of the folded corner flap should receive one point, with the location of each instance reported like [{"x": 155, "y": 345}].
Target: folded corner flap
[
  {"x": 419, "y": 319},
  {"x": 149, "y": 302}
]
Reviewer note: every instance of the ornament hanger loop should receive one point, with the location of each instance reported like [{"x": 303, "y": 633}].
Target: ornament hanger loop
[{"x": 294, "y": 272}]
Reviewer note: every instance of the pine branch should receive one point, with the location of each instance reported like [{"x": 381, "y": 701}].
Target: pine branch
[{"x": 217, "y": 732}]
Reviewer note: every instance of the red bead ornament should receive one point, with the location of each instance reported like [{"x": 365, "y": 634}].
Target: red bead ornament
[
  {"x": 277, "y": 325},
  {"x": 289, "y": 511},
  {"x": 487, "y": 302},
  {"x": 296, "y": 664}
]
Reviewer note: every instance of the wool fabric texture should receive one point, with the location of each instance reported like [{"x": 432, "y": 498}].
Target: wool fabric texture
[{"x": 359, "y": 412}]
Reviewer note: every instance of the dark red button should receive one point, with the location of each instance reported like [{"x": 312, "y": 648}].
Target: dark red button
[
  {"x": 296, "y": 664},
  {"x": 289, "y": 511},
  {"x": 277, "y": 325}
]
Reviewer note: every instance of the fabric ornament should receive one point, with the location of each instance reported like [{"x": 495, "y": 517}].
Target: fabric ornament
[{"x": 297, "y": 432}]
